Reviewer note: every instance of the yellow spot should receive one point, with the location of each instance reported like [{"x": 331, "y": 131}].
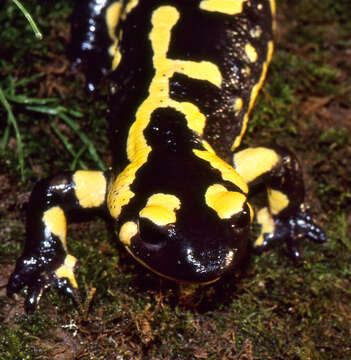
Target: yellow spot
[
  {"x": 160, "y": 209},
  {"x": 67, "y": 270},
  {"x": 227, "y": 172},
  {"x": 127, "y": 231},
  {"x": 225, "y": 203},
  {"x": 238, "y": 105},
  {"x": 90, "y": 188},
  {"x": 251, "y": 53},
  {"x": 163, "y": 20},
  {"x": 55, "y": 221},
  {"x": 253, "y": 162},
  {"x": 230, "y": 7},
  {"x": 253, "y": 95},
  {"x": 277, "y": 201},
  {"x": 265, "y": 219}
]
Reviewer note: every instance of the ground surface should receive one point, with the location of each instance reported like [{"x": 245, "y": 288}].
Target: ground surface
[{"x": 275, "y": 311}]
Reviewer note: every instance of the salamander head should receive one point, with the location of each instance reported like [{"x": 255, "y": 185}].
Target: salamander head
[{"x": 189, "y": 217}]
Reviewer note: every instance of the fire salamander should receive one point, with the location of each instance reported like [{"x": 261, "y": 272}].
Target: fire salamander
[{"x": 185, "y": 75}]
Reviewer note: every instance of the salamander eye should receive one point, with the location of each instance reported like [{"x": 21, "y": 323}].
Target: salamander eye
[{"x": 151, "y": 233}]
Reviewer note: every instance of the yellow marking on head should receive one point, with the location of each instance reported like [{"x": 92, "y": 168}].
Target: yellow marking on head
[
  {"x": 113, "y": 14},
  {"x": 163, "y": 20},
  {"x": 253, "y": 95},
  {"x": 67, "y": 270},
  {"x": 90, "y": 188},
  {"x": 55, "y": 221},
  {"x": 160, "y": 209},
  {"x": 230, "y": 7},
  {"x": 253, "y": 162},
  {"x": 225, "y": 203},
  {"x": 277, "y": 200},
  {"x": 251, "y": 52},
  {"x": 238, "y": 105},
  {"x": 127, "y": 231},
  {"x": 228, "y": 173},
  {"x": 264, "y": 218}
]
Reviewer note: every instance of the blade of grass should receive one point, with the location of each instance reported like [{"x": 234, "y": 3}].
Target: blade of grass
[
  {"x": 21, "y": 99},
  {"x": 12, "y": 120},
  {"x": 5, "y": 137},
  {"x": 60, "y": 111},
  {"x": 69, "y": 148},
  {"x": 76, "y": 158},
  {"x": 84, "y": 139},
  {"x": 26, "y": 81},
  {"x": 34, "y": 26}
]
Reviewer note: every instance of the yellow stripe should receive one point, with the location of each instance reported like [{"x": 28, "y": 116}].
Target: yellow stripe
[
  {"x": 253, "y": 96},
  {"x": 227, "y": 172},
  {"x": 113, "y": 14},
  {"x": 163, "y": 20}
]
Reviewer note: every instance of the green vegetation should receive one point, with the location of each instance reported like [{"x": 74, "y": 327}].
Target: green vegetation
[{"x": 275, "y": 310}]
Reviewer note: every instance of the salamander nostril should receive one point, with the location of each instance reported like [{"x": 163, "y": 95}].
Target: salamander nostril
[{"x": 150, "y": 233}]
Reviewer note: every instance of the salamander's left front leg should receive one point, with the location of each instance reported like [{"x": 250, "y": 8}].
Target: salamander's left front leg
[
  {"x": 45, "y": 260},
  {"x": 286, "y": 218}
]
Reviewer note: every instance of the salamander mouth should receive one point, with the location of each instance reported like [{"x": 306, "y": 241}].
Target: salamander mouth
[{"x": 183, "y": 263}]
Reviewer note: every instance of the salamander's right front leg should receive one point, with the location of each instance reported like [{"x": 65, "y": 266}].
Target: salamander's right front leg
[{"x": 45, "y": 260}]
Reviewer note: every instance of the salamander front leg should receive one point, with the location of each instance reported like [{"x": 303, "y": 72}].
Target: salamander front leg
[
  {"x": 45, "y": 261},
  {"x": 287, "y": 217}
]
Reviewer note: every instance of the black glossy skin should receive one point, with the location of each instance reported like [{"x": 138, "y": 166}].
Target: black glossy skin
[
  {"x": 174, "y": 169},
  {"x": 90, "y": 39},
  {"x": 197, "y": 36},
  {"x": 199, "y": 247}
]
